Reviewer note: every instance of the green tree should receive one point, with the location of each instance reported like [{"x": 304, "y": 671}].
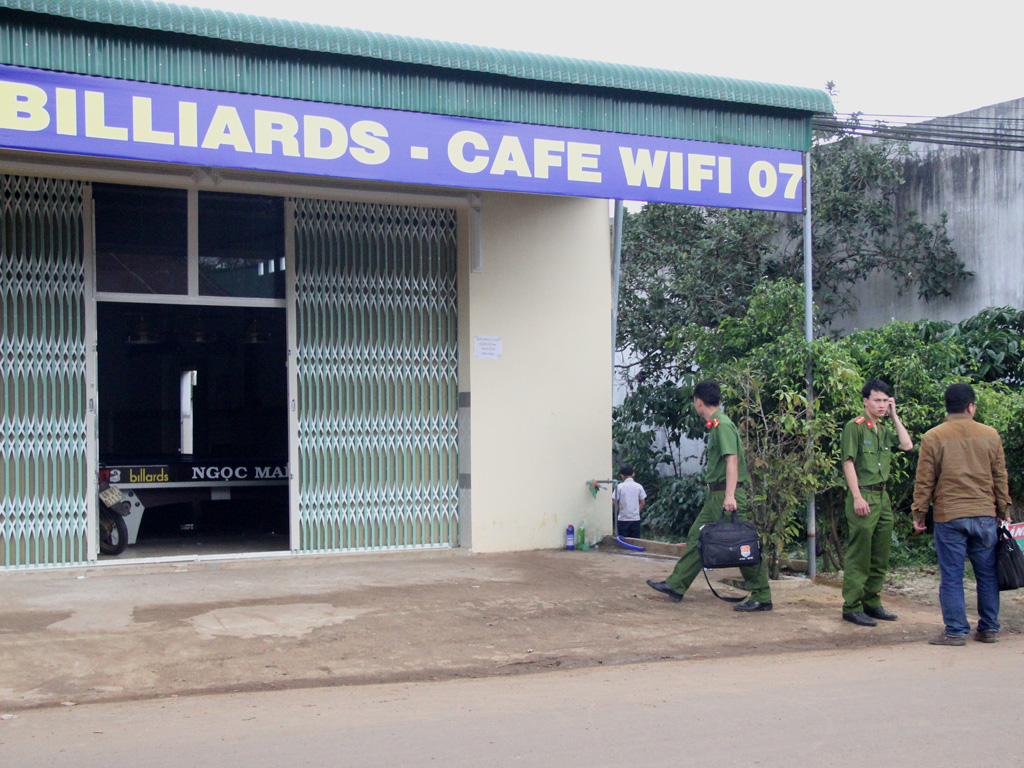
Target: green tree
[
  {"x": 761, "y": 361},
  {"x": 683, "y": 265},
  {"x": 697, "y": 268},
  {"x": 858, "y": 228}
]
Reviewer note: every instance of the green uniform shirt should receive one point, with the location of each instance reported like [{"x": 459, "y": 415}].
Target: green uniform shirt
[
  {"x": 871, "y": 451},
  {"x": 723, "y": 440}
]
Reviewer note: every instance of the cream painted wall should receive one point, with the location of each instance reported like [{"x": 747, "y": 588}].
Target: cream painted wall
[{"x": 541, "y": 414}]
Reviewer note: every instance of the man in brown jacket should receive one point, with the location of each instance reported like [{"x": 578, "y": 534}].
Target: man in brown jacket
[{"x": 962, "y": 470}]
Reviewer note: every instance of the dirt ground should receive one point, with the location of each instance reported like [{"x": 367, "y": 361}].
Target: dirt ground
[{"x": 144, "y": 632}]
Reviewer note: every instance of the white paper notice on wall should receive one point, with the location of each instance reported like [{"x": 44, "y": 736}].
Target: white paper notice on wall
[{"x": 487, "y": 347}]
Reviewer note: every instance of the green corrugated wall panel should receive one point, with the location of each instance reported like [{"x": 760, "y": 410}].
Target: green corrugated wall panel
[
  {"x": 48, "y": 42},
  {"x": 377, "y": 376},
  {"x": 42, "y": 369}
]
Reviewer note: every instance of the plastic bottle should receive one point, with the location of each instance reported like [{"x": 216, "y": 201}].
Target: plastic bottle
[
  {"x": 570, "y": 538},
  {"x": 581, "y": 537}
]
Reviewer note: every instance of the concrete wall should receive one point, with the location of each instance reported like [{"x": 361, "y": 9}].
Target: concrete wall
[
  {"x": 982, "y": 190},
  {"x": 540, "y": 416}
]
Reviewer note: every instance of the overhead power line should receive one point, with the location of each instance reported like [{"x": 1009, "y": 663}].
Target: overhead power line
[{"x": 1005, "y": 133}]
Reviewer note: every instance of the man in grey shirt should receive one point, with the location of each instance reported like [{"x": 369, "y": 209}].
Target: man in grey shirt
[{"x": 629, "y": 498}]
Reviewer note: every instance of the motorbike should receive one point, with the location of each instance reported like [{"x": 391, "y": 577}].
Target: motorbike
[{"x": 113, "y": 508}]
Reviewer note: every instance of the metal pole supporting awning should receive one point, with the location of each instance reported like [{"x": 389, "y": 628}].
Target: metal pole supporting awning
[{"x": 812, "y": 540}]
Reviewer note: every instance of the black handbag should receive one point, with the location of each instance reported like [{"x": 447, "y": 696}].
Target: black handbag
[
  {"x": 1009, "y": 561},
  {"x": 734, "y": 544}
]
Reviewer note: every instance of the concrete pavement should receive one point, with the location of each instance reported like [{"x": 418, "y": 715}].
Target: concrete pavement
[{"x": 104, "y": 634}]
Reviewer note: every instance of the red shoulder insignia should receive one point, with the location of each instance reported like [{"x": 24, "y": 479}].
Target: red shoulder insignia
[
  {"x": 712, "y": 423},
  {"x": 859, "y": 420}
]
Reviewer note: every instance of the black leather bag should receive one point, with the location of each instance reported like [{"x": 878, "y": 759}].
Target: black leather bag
[
  {"x": 734, "y": 544},
  {"x": 1009, "y": 561},
  {"x": 725, "y": 544}
]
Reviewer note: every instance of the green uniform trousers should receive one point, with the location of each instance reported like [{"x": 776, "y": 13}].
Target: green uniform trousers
[
  {"x": 689, "y": 565},
  {"x": 867, "y": 552}
]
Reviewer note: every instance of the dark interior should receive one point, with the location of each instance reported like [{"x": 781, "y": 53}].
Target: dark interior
[
  {"x": 237, "y": 354},
  {"x": 239, "y": 396},
  {"x": 239, "y": 406}
]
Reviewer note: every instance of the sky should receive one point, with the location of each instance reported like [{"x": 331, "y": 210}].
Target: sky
[{"x": 886, "y": 58}]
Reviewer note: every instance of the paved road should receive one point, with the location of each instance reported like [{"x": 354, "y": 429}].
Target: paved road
[{"x": 902, "y": 705}]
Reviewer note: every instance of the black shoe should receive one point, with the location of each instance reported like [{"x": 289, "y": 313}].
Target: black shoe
[
  {"x": 752, "y": 605},
  {"x": 860, "y": 618},
  {"x": 986, "y": 636},
  {"x": 880, "y": 613},
  {"x": 665, "y": 589}
]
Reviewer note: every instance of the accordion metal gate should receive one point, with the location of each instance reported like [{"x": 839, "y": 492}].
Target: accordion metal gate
[
  {"x": 376, "y": 376},
  {"x": 43, "y": 426}
]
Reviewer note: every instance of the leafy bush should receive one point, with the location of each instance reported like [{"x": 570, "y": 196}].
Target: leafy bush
[
  {"x": 761, "y": 360},
  {"x": 671, "y": 512},
  {"x": 1002, "y": 408},
  {"x": 991, "y": 340}
]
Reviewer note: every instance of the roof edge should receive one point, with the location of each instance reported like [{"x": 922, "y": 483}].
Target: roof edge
[{"x": 304, "y": 36}]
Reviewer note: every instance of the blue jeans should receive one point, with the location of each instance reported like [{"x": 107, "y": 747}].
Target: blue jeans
[{"x": 974, "y": 537}]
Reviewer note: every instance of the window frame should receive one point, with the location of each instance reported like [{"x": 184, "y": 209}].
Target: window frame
[{"x": 193, "y": 295}]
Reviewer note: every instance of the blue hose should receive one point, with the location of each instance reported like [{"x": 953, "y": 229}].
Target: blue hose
[{"x": 622, "y": 543}]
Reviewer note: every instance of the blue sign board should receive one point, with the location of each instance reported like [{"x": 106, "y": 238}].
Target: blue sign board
[{"x": 82, "y": 115}]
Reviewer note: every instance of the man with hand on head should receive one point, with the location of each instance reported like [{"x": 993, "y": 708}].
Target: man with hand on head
[{"x": 866, "y": 447}]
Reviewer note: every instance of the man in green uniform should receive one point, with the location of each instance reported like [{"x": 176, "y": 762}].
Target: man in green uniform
[
  {"x": 727, "y": 478},
  {"x": 866, "y": 449}
]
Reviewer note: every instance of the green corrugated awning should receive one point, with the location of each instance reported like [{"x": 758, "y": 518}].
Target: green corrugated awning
[{"x": 301, "y": 36}]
